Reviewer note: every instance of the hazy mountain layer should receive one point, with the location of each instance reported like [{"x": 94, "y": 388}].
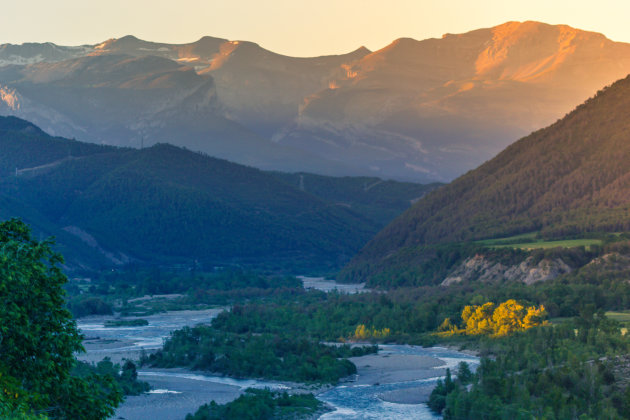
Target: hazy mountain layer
[
  {"x": 135, "y": 101},
  {"x": 421, "y": 110},
  {"x": 566, "y": 180}
]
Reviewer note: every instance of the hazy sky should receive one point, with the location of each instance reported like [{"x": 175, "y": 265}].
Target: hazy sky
[{"x": 293, "y": 27}]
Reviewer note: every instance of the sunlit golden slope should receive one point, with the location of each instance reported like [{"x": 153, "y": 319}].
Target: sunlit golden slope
[
  {"x": 528, "y": 52},
  {"x": 446, "y": 105}
]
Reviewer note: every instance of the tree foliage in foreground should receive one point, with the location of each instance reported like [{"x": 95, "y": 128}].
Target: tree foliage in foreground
[
  {"x": 126, "y": 376},
  {"x": 38, "y": 337}
]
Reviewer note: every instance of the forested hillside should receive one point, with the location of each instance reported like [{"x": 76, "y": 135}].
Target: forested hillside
[
  {"x": 168, "y": 205},
  {"x": 379, "y": 200},
  {"x": 38, "y": 369},
  {"x": 566, "y": 180},
  {"x": 24, "y": 145}
]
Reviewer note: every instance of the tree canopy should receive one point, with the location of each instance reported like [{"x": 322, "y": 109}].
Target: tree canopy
[
  {"x": 508, "y": 317},
  {"x": 38, "y": 336}
]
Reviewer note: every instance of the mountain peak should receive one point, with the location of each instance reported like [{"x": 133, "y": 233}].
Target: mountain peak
[
  {"x": 127, "y": 43},
  {"x": 206, "y": 38},
  {"x": 361, "y": 50},
  {"x": 528, "y": 51},
  {"x": 404, "y": 41},
  {"x": 515, "y": 30},
  {"x": 128, "y": 38},
  {"x": 531, "y": 25}
]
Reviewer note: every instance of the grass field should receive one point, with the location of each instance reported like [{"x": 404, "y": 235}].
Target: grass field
[
  {"x": 621, "y": 317},
  {"x": 560, "y": 319},
  {"x": 569, "y": 243},
  {"x": 523, "y": 238},
  {"x": 529, "y": 241}
]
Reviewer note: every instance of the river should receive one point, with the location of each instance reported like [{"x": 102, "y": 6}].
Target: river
[
  {"x": 408, "y": 375},
  {"x": 390, "y": 385}
]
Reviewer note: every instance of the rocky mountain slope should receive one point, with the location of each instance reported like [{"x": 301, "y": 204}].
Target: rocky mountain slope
[
  {"x": 528, "y": 271},
  {"x": 31, "y": 53},
  {"x": 132, "y": 101},
  {"x": 422, "y": 110},
  {"x": 442, "y": 106}
]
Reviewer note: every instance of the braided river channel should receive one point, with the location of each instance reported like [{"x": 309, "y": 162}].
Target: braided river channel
[{"x": 394, "y": 384}]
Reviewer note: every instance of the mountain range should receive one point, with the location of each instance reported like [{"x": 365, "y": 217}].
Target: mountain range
[
  {"x": 417, "y": 110},
  {"x": 163, "y": 205},
  {"x": 568, "y": 180}
]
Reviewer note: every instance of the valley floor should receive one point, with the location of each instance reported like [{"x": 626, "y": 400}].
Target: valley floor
[
  {"x": 399, "y": 378},
  {"x": 177, "y": 392}
]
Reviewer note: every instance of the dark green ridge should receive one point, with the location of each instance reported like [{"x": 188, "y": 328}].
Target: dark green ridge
[{"x": 167, "y": 205}]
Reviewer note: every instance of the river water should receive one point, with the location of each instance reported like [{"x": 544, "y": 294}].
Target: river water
[
  {"x": 177, "y": 392},
  {"x": 118, "y": 342},
  {"x": 366, "y": 401}
]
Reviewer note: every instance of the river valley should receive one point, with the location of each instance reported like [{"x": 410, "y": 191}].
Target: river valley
[{"x": 392, "y": 384}]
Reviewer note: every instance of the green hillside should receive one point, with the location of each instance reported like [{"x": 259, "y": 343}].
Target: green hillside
[
  {"x": 24, "y": 145},
  {"x": 379, "y": 200},
  {"x": 565, "y": 181},
  {"x": 165, "y": 205}
]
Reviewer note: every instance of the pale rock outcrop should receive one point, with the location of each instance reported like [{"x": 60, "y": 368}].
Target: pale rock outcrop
[
  {"x": 480, "y": 268},
  {"x": 613, "y": 260}
]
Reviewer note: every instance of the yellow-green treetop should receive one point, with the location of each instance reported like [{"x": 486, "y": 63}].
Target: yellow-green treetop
[{"x": 506, "y": 318}]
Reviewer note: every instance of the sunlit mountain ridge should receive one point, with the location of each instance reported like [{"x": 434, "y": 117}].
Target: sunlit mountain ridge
[{"x": 421, "y": 110}]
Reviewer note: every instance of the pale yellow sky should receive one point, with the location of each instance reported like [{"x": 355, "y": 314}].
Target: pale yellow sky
[{"x": 299, "y": 28}]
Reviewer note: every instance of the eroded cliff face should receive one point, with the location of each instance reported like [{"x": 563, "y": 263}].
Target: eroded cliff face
[{"x": 528, "y": 271}]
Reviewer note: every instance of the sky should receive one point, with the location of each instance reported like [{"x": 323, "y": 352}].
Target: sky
[{"x": 292, "y": 27}]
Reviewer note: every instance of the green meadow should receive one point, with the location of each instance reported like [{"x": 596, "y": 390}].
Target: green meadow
[{"x": 528, "y": 241}]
